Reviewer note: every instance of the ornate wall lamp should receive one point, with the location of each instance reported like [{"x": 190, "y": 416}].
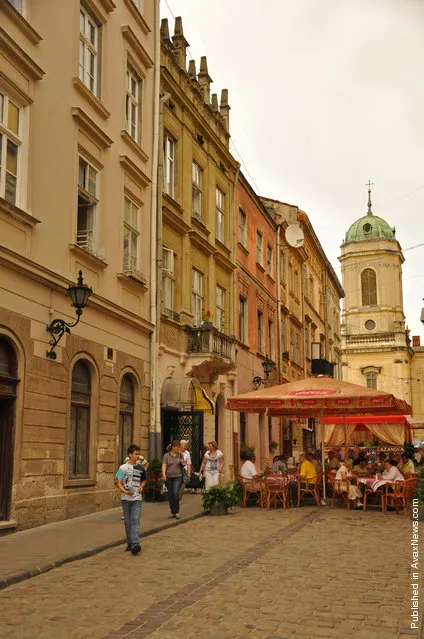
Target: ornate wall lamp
[
  {"x": 79, "y": 294},
  {"x": 268, "y": 365}
]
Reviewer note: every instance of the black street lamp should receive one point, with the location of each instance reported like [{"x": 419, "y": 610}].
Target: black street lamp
[
  {"x": 268, "y": 365},
  {"x": 79, "y": 294}
]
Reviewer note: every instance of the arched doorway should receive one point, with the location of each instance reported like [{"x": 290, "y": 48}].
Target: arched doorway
[{"x": 8, "y": 383}]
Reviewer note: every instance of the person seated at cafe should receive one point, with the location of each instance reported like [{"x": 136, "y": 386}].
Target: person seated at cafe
[
  {"x": 391, "y": 471},
  {"x": 333, "y": 462},
  {"x": 379, "y": 464},
  {"x": 279, "y": 464},
  {"x": 306, "y": 471},
  {"x": 406, "y": 465},
  {"x": 344, "y": 473},
  {"x": 248, "y": 469},
  {"x": 362, "y": 468},
  {"x": 314, "y": 461}
]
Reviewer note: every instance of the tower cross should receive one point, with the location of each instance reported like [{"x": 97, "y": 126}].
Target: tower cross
[{"x": 369, "y": 185}]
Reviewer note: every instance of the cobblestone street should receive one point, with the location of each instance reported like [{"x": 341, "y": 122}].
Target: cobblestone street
[{"x": 260, "y": 575}]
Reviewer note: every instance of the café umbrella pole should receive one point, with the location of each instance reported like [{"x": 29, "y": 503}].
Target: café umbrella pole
[{"x": 323, "y": 469}]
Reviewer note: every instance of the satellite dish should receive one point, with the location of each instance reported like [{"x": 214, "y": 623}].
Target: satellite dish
[{"x": 294, "y": 235}]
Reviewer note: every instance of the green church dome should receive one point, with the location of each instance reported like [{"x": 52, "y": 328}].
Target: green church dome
[{"x": 369, "y": 227}]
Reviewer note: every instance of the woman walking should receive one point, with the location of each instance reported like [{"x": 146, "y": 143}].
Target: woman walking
[
  {"x": 172, "y": 475},
  {"x": 212, "y": 464}
]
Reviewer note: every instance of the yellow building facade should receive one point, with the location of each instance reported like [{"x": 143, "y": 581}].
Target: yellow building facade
[
  {"x": 196, "y": 347},
  {"x": 77, "y": 126}
]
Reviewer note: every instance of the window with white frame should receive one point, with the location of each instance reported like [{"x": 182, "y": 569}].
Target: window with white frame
[
  {"x": 196, "y": 190},
  {"x": 259, "y": 248},
  {"x": 168, "y": 279},
  {"x": 19, "y": 5},
  {"x": 220, "y": 217},
  {"x": 292, "y": 348},
  {"x": 243, "y": 319},
  {"x": 269, "y": 260},
  {"x": 260, "y": 327},
  {"x": 271, "y": 338},
  {"x": 87, "y": 205},
  {"x": 169, "y": 165},
  {"x": 196, "y": 296},
  {"x": 291, "y": 284},
  {"x": 131, "y": 238},
  {"x": 242, "y": 228},
  {"x": 220, "y": 308},
  {"x": 283, "y": 336},
  {"x": 133, "y": 104},
  {"x": 137, "y": 4},
  {"x": 10, "y": 145},
  {"x": 296, "y": 283},
  {"x": 89, "y": 52},
  {"x": 297, "y": 347}
]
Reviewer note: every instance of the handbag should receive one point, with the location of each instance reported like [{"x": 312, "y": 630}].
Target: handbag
[
  {"x": 195, "y": 481},
  {"x": 186, "y": 478}
]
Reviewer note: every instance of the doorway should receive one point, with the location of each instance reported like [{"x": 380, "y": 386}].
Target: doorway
[
  {"x": 8, "y": 384},
  {"x": 185, "y": 425}
]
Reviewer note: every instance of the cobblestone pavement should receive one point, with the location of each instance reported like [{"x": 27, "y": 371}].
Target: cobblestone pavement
[{"x": 300, "y": 573}]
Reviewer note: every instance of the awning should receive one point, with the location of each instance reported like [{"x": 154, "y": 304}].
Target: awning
[
  {"x": 367, "y": 419},
  {"x": 185, "y": 394}
]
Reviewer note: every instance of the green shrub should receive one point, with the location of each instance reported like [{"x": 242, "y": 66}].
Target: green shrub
[
  {"x": 419, "y": 494},
  {"x": 220, "y": 495},
  {"x": 154, "y": 481}
]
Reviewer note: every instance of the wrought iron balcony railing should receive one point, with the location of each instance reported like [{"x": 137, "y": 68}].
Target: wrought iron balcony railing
[{"x": 207, "y": 339}]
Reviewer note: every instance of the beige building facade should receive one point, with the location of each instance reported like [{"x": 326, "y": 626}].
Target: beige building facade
[
  {"x": 196, "y": 346},
  {"x": 377, "y": 350},
  {"x": 78, "y": 167}
]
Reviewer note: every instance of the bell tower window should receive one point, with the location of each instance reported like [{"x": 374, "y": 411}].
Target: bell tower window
[{"x": 369, "y": 287}]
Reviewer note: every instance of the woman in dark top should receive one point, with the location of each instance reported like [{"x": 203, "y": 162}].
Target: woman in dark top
[{"x": 172, "y": 475}]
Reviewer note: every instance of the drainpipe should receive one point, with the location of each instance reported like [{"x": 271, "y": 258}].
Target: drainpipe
[
  {"x": 156, "y": 236},
  {"x": 235, "y": 414},
  {"x": 279, "y": 343}
]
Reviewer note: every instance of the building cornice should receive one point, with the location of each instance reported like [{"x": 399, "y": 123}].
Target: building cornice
[
  {"x": 136, "y": 45},
  {"x": 23, "y": 25},
  {"x": 91, "y": 128},
  {"x": 16, "y": 54},
  {"x": 134, "y": 170},
  {"x": 18, "y": 214},
  {"x": 137, "y": 16}
]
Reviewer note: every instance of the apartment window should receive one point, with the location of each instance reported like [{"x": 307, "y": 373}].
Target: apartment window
[
  {"x": 260, "y": 332},
  {"x": 243, "y": 320},
  {"x": 196, "y": 296},
  {"x": 89, "y": 51},
  {"x": 242, "y": 228},
  {"x": 10, "y": 143},
  {"x": 307, "y": 340},
  {"x": 126, "y": 416},
  {"x": 220, "y": 218},
  {"x": 283, "y": 336},
  {"x": 131, "y": 237},
  {"x": 269, "y": 260},
  {"x": 297, "y": 347},
  {"x": 133, "y": 104},
  {"x": 292, "y": 348},
  {"x": 282, "y": 268},
  {"x": 87, "y": 204},
  {"x": 168, "y": 278},
  {"x": 259, "y": 248},
  {"x": 369, "y": 287},
  {"x": 169, "y": 166},
  {"x": 196, "y": 190},
  {"x": 19, "y": 5},
  {"x": 220, "y": 308},
  {"x": 296, "y": 283},
  {"x": 271, "y": 338},
  {"x": 371, "y": 380},
  {"x": 311, "y": 290},
  {"x": 291, "y": 283},
  {"x": 80, "y": 420}
]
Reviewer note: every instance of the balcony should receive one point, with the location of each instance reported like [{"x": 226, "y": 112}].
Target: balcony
[
  {"x": 212, "y": 352},
  {"x": 172, "y": 315}
]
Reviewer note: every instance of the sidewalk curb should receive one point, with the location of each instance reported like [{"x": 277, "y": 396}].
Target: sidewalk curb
[{"x": 27, "y": 574}]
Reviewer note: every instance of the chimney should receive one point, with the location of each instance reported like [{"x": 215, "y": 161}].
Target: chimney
[
  {"x": 214, "y": 103},
  {"x": 180, "y": 44},
  {"x": 192, "y": 73},
  {"x": 205, "y": 79},
  {"x": 224, "y": 108},
  {"x": 416, "y": 340},
  {"x": 164, "y": 32}
]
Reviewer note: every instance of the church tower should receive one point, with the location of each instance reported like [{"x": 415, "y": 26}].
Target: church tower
[{"x": 375, "y": 342}]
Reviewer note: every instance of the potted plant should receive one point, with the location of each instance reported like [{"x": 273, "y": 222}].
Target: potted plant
[
  {"x": 154, "y": 487},
  {"x": 420, "y": 483},
  {"x": 218, "y": 499},
  {"x": 273, "y": 445}
]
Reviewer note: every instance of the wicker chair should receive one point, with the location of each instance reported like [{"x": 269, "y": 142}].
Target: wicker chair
[
  {"x": 276, "y": 490},
  {"x": 340, "y": 488},
  {"x": 310, "y": 488},
  {"x": 252, "y": 488},
  {"x": 401, "y": 494}
]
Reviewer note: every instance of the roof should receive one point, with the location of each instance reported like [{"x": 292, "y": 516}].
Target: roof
[{"x": 369, "y": 227}]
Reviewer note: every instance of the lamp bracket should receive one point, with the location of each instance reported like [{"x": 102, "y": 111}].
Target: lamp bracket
[
  {"x": 57, "y": 328},
  {"x": 257, "y": 381}
]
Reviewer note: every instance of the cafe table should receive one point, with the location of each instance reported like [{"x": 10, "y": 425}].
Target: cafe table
[{"x": 374, "y": 485}]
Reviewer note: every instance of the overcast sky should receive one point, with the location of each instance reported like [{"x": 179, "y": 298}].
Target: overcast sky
[{"x": 325, "y": 95}]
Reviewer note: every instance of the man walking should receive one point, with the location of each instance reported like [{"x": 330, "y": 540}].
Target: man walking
[{"x": 130, "y": 480}]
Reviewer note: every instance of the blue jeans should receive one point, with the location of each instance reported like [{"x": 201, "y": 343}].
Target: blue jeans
[
  {"x": 173, "y": 484},
  {"x": 132, "y": 515}
]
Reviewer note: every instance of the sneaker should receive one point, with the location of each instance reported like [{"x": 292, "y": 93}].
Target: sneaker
[
  {"x": 135, "y": 549},
  {"x": 128, "y": 548},
  {"x": 323, "y": 503},
  {"x": 177, "y": 516}
]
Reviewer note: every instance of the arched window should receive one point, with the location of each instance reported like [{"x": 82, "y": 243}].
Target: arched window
[
  {"x": 369, "y": 287},
  {"x": 8, "y": 383},
  {"x": 80, "y": 421},
  {"x": 7, "y": 360},
  {"x": 371, "y": 380},
  {"x": 126, "y": 416}
]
